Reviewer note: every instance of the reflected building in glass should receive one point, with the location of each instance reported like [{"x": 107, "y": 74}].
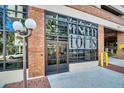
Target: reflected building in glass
[
  {"x": 10, "y": 42},
  {"x": 69, "y": 40}
]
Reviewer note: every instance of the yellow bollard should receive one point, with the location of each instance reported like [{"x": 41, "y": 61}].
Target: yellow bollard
[
  {"x": 106, "y": 58},
  {"x": 101, "y": 59}
]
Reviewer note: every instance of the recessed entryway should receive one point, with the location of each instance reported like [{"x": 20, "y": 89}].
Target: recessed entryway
[{"x": 110, "y": 42}]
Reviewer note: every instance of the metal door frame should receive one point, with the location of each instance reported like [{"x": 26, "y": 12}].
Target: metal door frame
[{"x": 58, "y": 44}]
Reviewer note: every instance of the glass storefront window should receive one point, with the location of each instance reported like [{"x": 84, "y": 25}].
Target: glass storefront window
[
  {"x": 11, "y": 14},
  {"x": 90, "y": 31},
  {"x": 10, "y": 43},
  {"x": 20, "y": 8},
  {"x": 51, "y": 31},
  {"x": 62, "y": 31},
  {"x": 62, "y": 18},
  {"x": 11, "y": 7},
  {"x": 81, "y": 36},
  {"x": 1, "y": 66},
  {"x": 14, "y": 51},
  {"x": 51, "y": 27},
  {"x": 62, "y": 28},
  {"x": 1, "y": 50},
  {"x": 72, "y": 28},
  {"x": 87, "y": 31},
  {"x": 81, "y": 30},
  {"x": 73, "y": 20},
  {"x": 19, "y": 15},
  {"x": 13, "y": 42},
  {"x": 1, "y": 19},
  {"x": 51, "y": 15},
  {"x": 1, "y": 46},
  {"x": 13, "y": 65},
  {"x": 16, "y": 11}
]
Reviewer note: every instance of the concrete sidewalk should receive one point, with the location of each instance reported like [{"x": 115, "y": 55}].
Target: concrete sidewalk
[{"x": 87, "y": 75}]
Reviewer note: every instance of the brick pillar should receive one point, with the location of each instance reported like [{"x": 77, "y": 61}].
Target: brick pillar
[
  {"x": 36, "y": 44},
  {"x": 100, "y": 40},
  {"x": 120, "y": 40}
]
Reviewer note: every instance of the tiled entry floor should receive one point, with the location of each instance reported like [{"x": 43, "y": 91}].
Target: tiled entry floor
[{"x": 87, "y": 75}]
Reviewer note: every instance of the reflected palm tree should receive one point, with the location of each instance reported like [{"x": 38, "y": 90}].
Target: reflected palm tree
[
  {"x": 10, "y": 43},
  {"x": 51, "y": 26}
]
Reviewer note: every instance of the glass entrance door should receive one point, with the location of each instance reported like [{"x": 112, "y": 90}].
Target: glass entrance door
[
  {"x": 63, "y": 58},
  {"x": 51, "y": 58},
  {"x": 56, "y": 58}
]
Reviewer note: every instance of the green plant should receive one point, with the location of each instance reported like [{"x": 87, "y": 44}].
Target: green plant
[{"x": 51, "y": 26}]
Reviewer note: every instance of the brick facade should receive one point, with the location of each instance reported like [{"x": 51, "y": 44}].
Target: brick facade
[
  {"x": 100, "y": 40},
  {"x": 120, "y": 40},
  {"x": 36, "y": 44},
  {"x": 99, "y": 13}
]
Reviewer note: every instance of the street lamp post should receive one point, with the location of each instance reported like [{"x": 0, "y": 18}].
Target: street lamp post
[{"x": 30, "y": 25}]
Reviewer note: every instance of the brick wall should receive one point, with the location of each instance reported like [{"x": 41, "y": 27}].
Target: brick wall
[
  {"x": 99, "y": 13},
  {"x": 120, "y": 40},
  {"x": 100, "y": 40},
  {"x": 36, "y": 44}
]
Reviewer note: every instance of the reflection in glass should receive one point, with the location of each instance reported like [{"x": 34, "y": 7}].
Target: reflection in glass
[
  {"x": 1, "y": 19},
  {"x": 51, "y": 27},
  {"x": 80, "y": 35},
  {"x": 56, "y": 58},
  {"x": 73, "y": 20},
  {"x": 51, "y": 58},
  {"x": 1, "y": 66},
  {"x": 87, "y": 55},
  {"x": 51, "y": 50},
  {"x": 62, "y": 18},
  {"x": 20, "y": 8},
  {"x": 72, "y": 55},
  {"x": 14, "y": 48},
  {"x": 81, "y": 55},
  {"x": 13, "y": 42},
  {"x": 63, "y": 66},
  {"x": 11, "y": 7},
  {"x": 62, "y": 28},
  {"x": 17, "y": 65},
  {"x": 1, "y": 46},
  {"x": 81, "y": 30},
  {"x": 62, "y": 31},
  {"x": 11, "y": 14},
  {"x": 19, "y": 15},
  {"x": 72, "y": 29},
  {"x": 51, "y": 33},
  {"x": 63, "y": 53},
  {"x": 51, "y": 15}
]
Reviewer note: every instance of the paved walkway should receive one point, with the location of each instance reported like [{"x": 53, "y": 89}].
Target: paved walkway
[
  {"x": 88, "y": 75},
  {"x": 32, "y": 83}
]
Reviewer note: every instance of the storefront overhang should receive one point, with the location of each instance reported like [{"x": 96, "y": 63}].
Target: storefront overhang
[
  {"x": 65, "y": 10},
  {"x": 117, "y": 8}
]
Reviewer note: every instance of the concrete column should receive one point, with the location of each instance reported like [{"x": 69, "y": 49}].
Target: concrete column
[
  {"x": 100, "y": 40},
  {"x": 120, "y": 40},
  {"x": 36, "y": 44}
]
